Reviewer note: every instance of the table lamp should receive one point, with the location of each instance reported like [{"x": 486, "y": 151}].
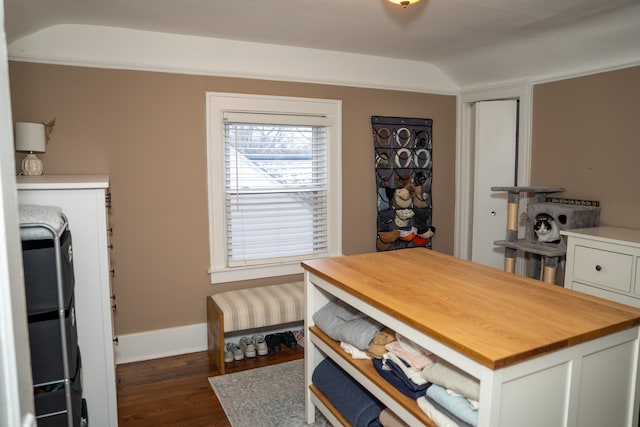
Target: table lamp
[{"x": 30, "y": 137}]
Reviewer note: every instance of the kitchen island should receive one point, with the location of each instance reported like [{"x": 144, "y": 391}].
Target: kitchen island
[{"x": 544, "y": 355}]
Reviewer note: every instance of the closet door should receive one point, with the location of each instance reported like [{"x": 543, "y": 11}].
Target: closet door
[
  {"x": 16, "y": 392},
  {"x": 495, "y": 165}
]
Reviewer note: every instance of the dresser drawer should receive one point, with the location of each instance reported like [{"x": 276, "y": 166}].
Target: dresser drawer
[{"x": 605, "y": 268}]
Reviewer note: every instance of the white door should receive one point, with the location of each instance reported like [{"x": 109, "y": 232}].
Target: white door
[
  {"x": 16, "y": 386},
  {"x": 494, "y": 166}
]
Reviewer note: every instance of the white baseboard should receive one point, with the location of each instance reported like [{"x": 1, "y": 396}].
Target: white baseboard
[
  {"x": 181, "y": 340},
  {"x": 161, "y": 343}
]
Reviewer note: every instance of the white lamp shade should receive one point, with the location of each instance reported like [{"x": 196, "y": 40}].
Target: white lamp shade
[{"x": 30, "y": 137}]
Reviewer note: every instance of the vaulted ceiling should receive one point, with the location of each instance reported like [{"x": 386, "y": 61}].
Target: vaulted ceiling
[{"x": 471, "y": 41}]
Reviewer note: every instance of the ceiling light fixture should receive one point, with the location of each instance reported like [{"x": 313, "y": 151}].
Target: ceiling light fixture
[{"x": 404, "y": 3}]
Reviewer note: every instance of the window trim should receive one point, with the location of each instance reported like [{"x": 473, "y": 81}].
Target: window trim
[{"x": 217, "y": 104}]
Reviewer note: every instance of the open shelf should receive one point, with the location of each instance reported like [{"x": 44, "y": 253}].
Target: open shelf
[
  {"x": 365, "y": 373},
  {"x": 530, "y": 345},
  {"x": 326, "y": 407},
  {"x": 538, "y": 248}
]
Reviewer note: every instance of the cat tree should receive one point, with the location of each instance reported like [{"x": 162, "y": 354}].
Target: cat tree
[{"x": 544, "y": 257}]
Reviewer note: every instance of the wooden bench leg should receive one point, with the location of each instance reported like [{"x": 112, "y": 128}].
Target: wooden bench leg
[{"x": 215, "y": 334}]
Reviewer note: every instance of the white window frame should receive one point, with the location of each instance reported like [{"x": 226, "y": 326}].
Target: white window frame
[{"x": 218, "y": 104}]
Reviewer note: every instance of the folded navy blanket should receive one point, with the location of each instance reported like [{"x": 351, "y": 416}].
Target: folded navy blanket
[
  {"x": 400, "y": 381},
  {"x": 359, "y": 407}
]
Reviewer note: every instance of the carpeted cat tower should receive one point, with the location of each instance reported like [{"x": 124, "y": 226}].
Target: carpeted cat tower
[{"x": 546, "y": 216}]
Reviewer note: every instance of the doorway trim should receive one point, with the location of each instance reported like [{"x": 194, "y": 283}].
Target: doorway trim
[{"x": 521, "y": 91}]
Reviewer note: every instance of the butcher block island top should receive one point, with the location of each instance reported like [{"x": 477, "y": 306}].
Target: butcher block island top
[{"x": 493, "y": 317}]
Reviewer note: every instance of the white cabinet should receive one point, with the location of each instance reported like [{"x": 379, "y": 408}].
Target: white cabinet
[
  {"x": 604, "y": 261},
  {"x": 542, "y": 355},
  {"x": 82, "y": 199}
]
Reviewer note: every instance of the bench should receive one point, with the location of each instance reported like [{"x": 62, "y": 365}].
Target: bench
[{"x": 252, "y": 308}]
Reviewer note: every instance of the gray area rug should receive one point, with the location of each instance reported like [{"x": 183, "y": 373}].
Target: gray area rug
[{"x": 272, "y": 396}]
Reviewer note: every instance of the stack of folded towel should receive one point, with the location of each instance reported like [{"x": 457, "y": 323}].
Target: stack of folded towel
[{"x": 448, "y": 395}]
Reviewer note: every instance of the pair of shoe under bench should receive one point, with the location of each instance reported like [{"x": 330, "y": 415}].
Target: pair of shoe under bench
[{"x": 246, "y": 309}]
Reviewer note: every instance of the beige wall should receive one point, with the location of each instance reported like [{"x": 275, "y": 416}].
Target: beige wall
[
  {"x": 586, "y": 138},
  {"x": 147, "y": 132}
]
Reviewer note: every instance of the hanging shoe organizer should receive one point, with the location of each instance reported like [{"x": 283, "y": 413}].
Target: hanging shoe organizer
[{"x": 403, "y": 166}]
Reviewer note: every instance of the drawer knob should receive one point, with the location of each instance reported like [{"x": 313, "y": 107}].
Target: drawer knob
[{"x": 598, "y": 268}]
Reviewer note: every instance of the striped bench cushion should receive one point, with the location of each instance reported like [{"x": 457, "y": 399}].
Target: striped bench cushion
[{"x": 262, "y": 306}]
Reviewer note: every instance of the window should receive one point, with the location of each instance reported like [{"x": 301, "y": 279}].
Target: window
[{"x": 274, "y": 184}]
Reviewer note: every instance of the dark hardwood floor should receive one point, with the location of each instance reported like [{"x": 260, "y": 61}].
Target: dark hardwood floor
[{"x": 175, "y": 391}]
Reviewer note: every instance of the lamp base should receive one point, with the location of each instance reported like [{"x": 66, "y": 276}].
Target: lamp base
[{"x": 31, "y": 165}]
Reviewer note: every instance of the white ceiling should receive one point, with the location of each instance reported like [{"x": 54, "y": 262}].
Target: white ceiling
[{"x": 472, "y": 41}]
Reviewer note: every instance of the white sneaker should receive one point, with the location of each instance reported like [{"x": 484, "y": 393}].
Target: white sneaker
[
  {"x": 228, "y": 353},
  {"x": 247, "y": 346},
  {"x": 236, "y": 351},
  {"x": 260, "y": 344}
]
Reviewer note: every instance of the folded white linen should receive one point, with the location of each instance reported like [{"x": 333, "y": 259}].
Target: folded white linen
[
  {"x": 355, "y": 352},
  {"x": 436, "y": 416},
  {"x": 451, "y": 377}
]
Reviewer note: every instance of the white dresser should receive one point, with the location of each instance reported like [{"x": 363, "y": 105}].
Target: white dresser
[
  {"x": 604, "y": 261},
  {"x": 83, "y": 200}
]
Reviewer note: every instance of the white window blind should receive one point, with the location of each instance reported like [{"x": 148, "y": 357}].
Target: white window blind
[
  {"x": 274, "y": 183},
  {"x": 275, "y": 187}
]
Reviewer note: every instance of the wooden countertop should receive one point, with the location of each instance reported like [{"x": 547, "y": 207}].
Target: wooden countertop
[{"x": 494, "y": 317}]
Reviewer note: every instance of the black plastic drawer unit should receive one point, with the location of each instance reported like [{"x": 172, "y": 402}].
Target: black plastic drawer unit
[
  {"x": 50, "y": 402},
  {"x": 47, "y": 347},
  {"x": 40, "y": 273}
]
